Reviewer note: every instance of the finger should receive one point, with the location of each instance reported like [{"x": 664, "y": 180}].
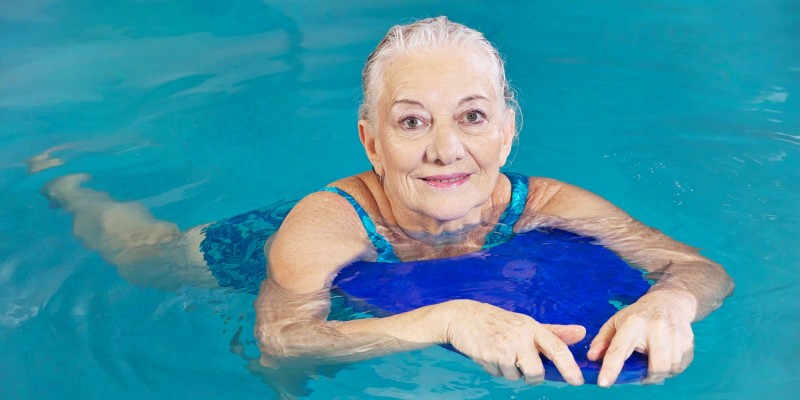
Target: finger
[
  {"x": 618, "y": 351},
  {"x": 510, "y": 371},
  {"x": 685, "y": 359},
  {"x": 558, "y": 352},
  {"x": 531, "y": 367},
  {"x": 601, "y": 341},
  {"x": 659, "y": 354},
  {"x": 491, "y": 368},
  {"x": 569, "y": 334},
  {"x": 683, "y": 351}
]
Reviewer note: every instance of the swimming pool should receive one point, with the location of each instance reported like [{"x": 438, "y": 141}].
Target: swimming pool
[{"x": 684, "y": 113}]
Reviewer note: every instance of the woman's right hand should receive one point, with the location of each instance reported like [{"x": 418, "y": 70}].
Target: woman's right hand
[{"x": 508, "y": 344}]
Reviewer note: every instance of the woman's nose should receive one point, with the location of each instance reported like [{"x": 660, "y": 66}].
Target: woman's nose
[{"x": 445, "y": 147}]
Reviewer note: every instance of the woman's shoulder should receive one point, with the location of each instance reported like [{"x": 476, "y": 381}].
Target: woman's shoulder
[
  {"x": 566, "y": 200},
  {"x": 359, "y": 185},
  {"x": 535, "y": 182},
  {"x": 320, "y": 234},
  {"x": 341, "y": 203},
  {"x": 541, "y": 191},
  {"x": 363, "y": 188},
  {"x": 335, "y": 196},
  {"x": 540, "y": 181}
]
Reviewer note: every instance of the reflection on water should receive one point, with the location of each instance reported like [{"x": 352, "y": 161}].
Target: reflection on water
[{"x": 206, "y": 63}]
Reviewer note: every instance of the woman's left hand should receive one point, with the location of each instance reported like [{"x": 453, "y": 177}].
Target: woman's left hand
[{"x": 659, "y": 325}]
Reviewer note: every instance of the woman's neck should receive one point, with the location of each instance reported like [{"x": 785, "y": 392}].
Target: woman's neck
[
  {"x": 471, "y": 228},
  {"x": 437, "y": 233}
]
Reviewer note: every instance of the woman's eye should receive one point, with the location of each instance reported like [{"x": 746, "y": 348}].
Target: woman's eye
[
  {"x": 474, "y": 117},
  {"x": 411, "y": 123}
]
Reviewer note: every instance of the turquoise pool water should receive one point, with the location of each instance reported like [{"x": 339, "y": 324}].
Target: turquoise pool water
[{"x": 685, "y": 113}]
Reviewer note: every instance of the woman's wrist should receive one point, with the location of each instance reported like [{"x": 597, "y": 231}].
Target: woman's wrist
[
  {"x": 445, "y": 315},
  {"x": 676, "y": 299}
]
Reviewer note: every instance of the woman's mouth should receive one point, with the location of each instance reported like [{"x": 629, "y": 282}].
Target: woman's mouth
[{"x": 446, "y": 181}]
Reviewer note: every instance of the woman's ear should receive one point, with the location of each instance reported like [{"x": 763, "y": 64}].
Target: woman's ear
[
  {"x": 509, "y": 134},
  {"x": 371, "y": 145}
]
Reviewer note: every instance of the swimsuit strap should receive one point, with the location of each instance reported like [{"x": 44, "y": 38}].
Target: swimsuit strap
[
  {"x": 382, "y": 246},
  {"x": 504, "y": 230}
]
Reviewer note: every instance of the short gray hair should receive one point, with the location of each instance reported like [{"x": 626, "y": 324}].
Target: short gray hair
[{"x": 426, "y": 34}]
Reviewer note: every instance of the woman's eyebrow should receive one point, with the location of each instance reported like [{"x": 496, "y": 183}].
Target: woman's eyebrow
[
  {"x": 472, "y": 98},
  {"x": 417, "y": 103},
  {"x": 407, "y": 101}
]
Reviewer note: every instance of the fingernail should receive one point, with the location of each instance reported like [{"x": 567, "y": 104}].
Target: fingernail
[{"x": 603, "y": 382}]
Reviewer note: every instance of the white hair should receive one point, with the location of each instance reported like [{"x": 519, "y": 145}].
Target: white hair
[{"x": 427, "y": 34}]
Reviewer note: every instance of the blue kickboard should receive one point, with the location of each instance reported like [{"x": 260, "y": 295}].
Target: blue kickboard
[{"x": 552, "y": 275}]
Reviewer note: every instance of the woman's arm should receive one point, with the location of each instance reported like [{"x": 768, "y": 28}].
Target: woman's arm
[
  {"x": 323, "y": 233},
  {"x": 688, "y": 286}
]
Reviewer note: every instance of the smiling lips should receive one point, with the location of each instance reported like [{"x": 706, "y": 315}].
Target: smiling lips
[{"x": 446, "y": 181}]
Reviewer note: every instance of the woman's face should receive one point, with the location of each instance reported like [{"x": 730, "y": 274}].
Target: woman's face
[{"x": 441, "y": 134}]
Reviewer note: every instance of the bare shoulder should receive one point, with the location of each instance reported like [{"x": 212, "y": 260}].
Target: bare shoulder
[
  {"x": 319, "y": 236},
  {"x": 563, "y": 200},
  {"x": 363, "y": 187}
]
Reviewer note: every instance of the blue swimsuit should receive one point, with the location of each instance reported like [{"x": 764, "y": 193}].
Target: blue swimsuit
[{"x": 234, "y": 247}]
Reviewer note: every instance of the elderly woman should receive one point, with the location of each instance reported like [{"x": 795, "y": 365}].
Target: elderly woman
[{"x": 437, "y": 124}]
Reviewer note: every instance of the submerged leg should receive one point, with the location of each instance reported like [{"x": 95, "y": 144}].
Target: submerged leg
[
  {"x": 45, "y": 160},
  {"x": 146, "y": 251}
]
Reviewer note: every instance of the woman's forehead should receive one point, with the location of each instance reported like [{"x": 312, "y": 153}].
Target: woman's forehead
[{"x": 441, "y": 72}]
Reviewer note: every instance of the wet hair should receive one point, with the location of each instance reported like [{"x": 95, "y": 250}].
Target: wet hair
[{"x": 428, "y": 34}]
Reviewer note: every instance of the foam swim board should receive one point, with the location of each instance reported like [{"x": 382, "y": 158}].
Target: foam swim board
[{"x": 554, "y": 276}]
